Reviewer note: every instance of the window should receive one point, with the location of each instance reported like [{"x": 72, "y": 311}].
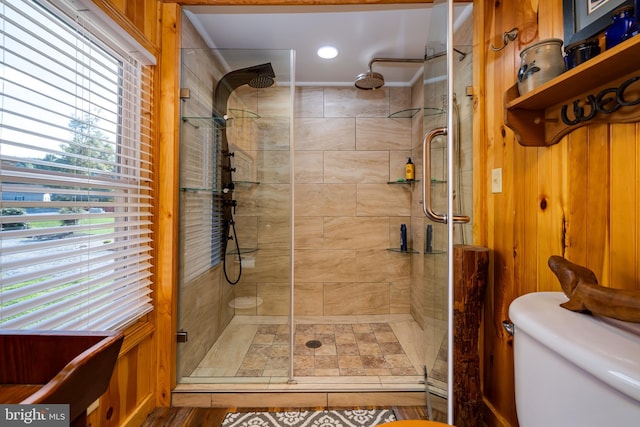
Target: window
[{"x": 75, "y": 170}]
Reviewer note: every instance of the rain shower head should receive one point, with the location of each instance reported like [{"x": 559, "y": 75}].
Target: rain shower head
[
  {"x": 372, "y": 80},
  {"x": 262, "y": 81},
  {"x": 258, "y": 77},
  {"x": 369, "y": 80}
]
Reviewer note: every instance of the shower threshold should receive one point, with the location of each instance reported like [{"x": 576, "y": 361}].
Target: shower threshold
[{"x": 345, "y": 361}]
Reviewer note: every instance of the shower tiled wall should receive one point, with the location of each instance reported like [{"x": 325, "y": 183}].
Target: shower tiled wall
[{"x": 347, "y": 214}]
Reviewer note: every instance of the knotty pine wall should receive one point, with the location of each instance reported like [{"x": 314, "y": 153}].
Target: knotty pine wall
[{"x": 579, "y": 198}]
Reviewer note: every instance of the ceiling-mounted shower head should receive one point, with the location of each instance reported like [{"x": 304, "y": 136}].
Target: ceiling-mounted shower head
[
  {"x": 372, "y": 80},
  {"x": 369, "y": 80}
]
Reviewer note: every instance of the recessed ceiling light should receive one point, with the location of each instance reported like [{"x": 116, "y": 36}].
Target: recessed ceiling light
[{"x": 327, "y": 52}]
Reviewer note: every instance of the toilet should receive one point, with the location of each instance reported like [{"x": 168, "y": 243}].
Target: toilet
[{"x": 573, "y": 369}]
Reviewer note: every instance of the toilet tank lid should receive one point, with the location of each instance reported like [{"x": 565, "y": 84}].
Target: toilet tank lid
[{"x": 607, "y": 348}]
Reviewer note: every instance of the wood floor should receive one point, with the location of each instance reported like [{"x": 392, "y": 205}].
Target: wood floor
[{"x": 195, "y": 417}]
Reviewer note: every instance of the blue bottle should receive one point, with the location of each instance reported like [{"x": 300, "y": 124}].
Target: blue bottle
[
  {"x": 622, "y": 21},
  {"x": 403, "y": 237},
  {"x": 428, "y": 243},
  {"x": 634, "y": 30}
]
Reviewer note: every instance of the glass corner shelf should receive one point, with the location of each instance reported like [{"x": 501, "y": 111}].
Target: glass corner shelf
[
  {"x": 243, "y": 114},
  {"x": 404, "y": 114},
  {"x": 246, "y": 182},
  {"x": 408, "y": 251},
  {"x": 243, "y": 251},
  {"x": 200, "y": 122},
  {"x": 435, "y": 253},
  {"x": 404, "y": 181},
  {"x": 433, "y": 111},
  {"x": 198, "y": 190}
]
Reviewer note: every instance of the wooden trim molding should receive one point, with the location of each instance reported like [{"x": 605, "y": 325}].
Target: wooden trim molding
[{"x": 167, "y": 214}]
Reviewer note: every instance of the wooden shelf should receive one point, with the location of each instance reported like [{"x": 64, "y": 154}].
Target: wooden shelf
[{"x": 535, "y": 117}]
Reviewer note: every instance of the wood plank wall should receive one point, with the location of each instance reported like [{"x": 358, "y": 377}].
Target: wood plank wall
[{"x": 579, "y": 198}]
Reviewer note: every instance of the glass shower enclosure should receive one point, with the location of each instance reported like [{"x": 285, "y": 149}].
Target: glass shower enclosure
[
  {"x": 446, "y": 178},
  {"x": 235, "y": 214}
]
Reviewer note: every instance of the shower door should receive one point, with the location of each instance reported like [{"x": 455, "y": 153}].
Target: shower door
[
  {"x": 235, "y": 216},
  {"x": 446, "y": 187}
]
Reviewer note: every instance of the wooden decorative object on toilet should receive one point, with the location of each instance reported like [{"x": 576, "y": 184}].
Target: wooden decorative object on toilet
[{"x": 581, "y": 286}]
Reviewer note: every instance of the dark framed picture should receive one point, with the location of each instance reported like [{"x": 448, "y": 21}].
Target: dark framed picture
[{"x": 586, "y": 18}]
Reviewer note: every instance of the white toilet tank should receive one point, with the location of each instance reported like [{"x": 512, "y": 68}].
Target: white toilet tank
[{"x": 573, "y": 369}]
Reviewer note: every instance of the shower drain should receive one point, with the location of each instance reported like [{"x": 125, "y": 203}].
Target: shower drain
[{"x": 313, "y": 344}]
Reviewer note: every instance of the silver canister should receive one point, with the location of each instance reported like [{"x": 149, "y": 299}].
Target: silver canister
[{"x": 540, "y": 63}]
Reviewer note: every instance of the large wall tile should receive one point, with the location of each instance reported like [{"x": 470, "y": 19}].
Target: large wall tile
[
  {"x": 274, "y": 232},
  {"x": 349, "y": 298},
  {"x": 400, "y": 296},
  {"x": 273, "y": 134},
  {"x": 274, "y": 199},
  {"x": 274, "y": 102},
  {"x": 275, "y": 299},
  {"x": 349, "y": 102},
  {"x": 356, "y": 166},
  {"x": 356, "y": 232},
  {"x": 325, "y": 134},
  {"x": 382, "y": 266},
  {"x": 266, "y": 265},
  {"x": 383, "y": 200},
  {"x": 308, "y": 299},
  {"x": 309, "y": 232},
  {"x": 400, "y": 99},
  {"x": 325, "y": 200},
  {"x": 324, "y": 265},
  {"x": 309, "y": 102},
  {"x": 309, "y": 167},
  {"x": 383, "y": 134},
  {"x": 274, "y": 167}
]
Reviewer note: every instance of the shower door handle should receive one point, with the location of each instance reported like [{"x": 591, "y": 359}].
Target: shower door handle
[{"x": 426, "y": 180}]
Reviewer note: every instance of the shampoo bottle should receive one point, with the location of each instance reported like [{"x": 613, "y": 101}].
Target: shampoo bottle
[
  {"x": 403, "y": 237},
  {"x": 409, "y": 170}
]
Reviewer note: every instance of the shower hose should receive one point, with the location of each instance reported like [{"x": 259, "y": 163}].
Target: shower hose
[{"x": 232, "y": 228}]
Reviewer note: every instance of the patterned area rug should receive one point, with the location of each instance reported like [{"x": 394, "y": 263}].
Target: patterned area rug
[{"x": 344, "y": 418}]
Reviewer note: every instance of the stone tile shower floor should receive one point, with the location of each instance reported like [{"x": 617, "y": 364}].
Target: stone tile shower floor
[
  {"x": 343, "y": 349},
  {"x": 219, "y": 368}
]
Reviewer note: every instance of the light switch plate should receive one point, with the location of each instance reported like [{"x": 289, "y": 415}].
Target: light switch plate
[{"x": 496, "y": 180}]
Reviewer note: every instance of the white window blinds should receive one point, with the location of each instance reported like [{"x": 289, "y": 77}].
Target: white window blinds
[{"x": 75, "y": 171}]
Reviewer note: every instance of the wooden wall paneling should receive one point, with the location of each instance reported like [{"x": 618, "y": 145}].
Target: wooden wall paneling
[
  {"x": 575, "y": 192},
  {"x": 497, "y": 370},
  {"x": 549, "y": 221},
  {"x": 137, "y": 17},
  {"x": 489, "y": 63},
  {"x": 167, "y": 217},
  {"x": 634, "y": 140},
  {"x": 597, "y": 200},
  {"x": 481, "y": 178},
  {"x": 624, "y": 229}
]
